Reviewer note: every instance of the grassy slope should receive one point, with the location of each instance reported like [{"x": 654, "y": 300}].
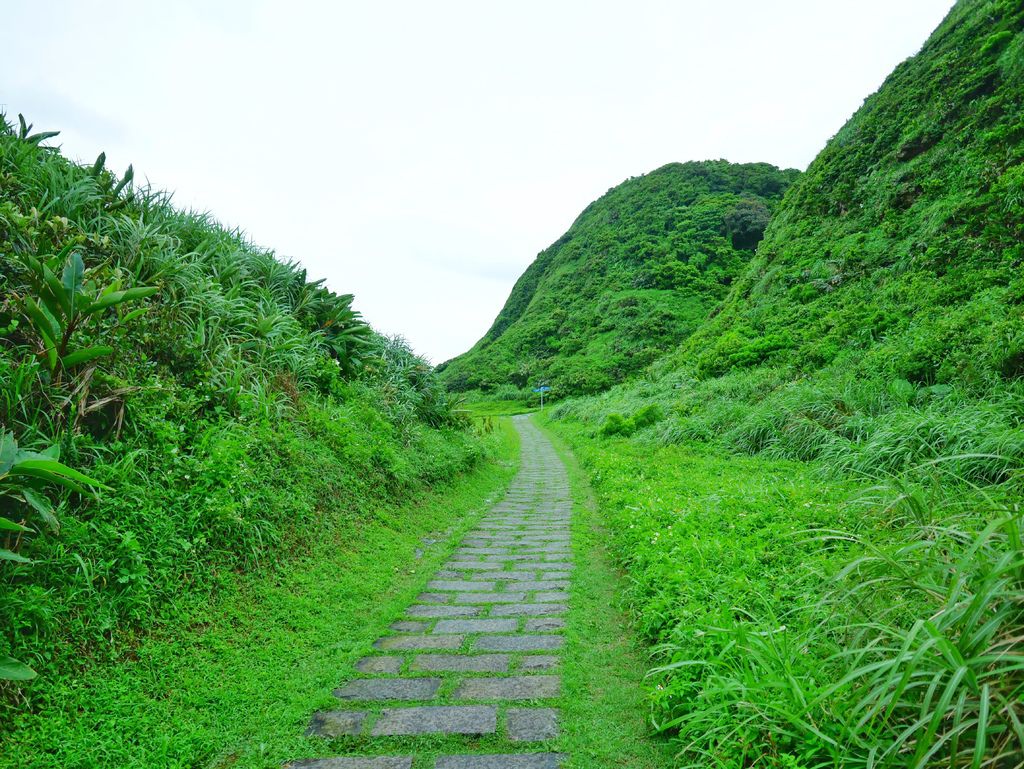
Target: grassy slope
[
  {"x": 603, "y": 713},
  {"x": 899, "y": 252},
  {"x": 863, "y": 374},
  {"x": 245, "y": 412},
  {"x": 234, "y": 682},
  {"x": 633, "y": 276}
]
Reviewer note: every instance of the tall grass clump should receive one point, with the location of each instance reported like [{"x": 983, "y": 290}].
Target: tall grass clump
[{"x": 911, "y": 656}]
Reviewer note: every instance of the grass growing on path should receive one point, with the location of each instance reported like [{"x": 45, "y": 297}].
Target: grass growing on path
[{"x": 233, "y": 683}]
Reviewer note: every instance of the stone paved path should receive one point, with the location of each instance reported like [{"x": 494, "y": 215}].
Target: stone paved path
[{"x": 478, "y": 652}]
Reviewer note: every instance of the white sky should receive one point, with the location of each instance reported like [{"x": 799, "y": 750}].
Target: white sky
[{"x": 420, "y": 154}]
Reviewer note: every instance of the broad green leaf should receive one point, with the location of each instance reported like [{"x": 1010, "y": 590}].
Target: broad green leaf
[
  {"x": 55, "y": 298},
  {"x": 119, "y": 297},
  {"x": 12, "y": 670},
  {"x": 74, "y": 274},
  {"x": 44, "y": 327},
  {"x": 6, "y": 525},
  {"x": 44, "y": 322},
  {"x": 41, "y": 136},
  {"x": 55, "y": 472},
  {"x": 134, "y": 314},
  {"x": 41, "y": 505},
  {"x": 7, "y": 555},
  {"x": 8, "y": 451},
  {"x": 85, "y": 355}
]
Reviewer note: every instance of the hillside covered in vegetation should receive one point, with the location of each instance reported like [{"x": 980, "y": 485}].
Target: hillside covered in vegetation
[
  {"x": 176, "y": 405},
  {"x": 816, "y": 494},
  {"x": 632, "y": 278}
]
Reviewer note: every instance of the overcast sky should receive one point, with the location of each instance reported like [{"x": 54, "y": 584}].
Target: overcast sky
[{"x": 420, "y": 154}]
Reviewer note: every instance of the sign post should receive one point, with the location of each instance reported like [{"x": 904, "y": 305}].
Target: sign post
[{"x": 542, "y": 389}]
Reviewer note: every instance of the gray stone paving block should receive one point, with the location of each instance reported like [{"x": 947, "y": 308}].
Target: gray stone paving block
[
  {"x": 531, "y": 724},
  {"x": 538, "y": 584},
  {"x": 450, "y": 574},
  {"x": 354, "y": 762},
  {"x": 379, "y": 665},
  {"x": 443, "y": 642},
  {"x": 529, "y": 610},
  {"x": 511, "y": 688},
  {"x": 481, "y": 551},
  {"x": 442, "y": 611},
  {"x": 512, "y": 576},
  {"x": 512, "y": 558},
  {"x": 410, "y": 626},
  {"x": 437, "y": 719},
  {"x": 533, "y": 662},
  {"x": 462, "y": 663},
  {"x": 544, "y": 624},
  {"x": 551, "y": 596},
  {"x": 434, "y": 598},
  {"x": 473, "y": 565},
  {"x": 460, "y": 585},
  {"x": 504, "y": 761},
  {"x": 335, "y": 723},
  {"x": 490, "y": 597},
  {"x": 555, "y": 575},
  {"x": 518, "y": 643},
  {"x": 476, "y": 626},
  {"x": 532, "y": 564},
  {"x": 389, "y": 689}
]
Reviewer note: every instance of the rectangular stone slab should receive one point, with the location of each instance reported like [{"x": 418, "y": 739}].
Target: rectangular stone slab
[
  {"x": 533, "y": 662},
  {"x": 389, "y": 689},
  {"x": 472, "y": 565},
  {"x": 529, "y": 610},
  {"x": 505, "y": 761},
  {"x": 518, "y": 643},
  {"x": 544, "y": 624},
  {"x": 438, "y": 719},
  {"x": 335, "y": 723},
  {"x": 460, "y": 585},
  {"x": 538, "y": 584},
  {"x": 490, "y": 597},
  {"x": 382, "y": 664},
  {"x": 462, "y": 663},
  {"x": 430, "y": 610},
  {"x": 531, "y": 724},
  {"x": 353, "y": 762},
  {"x": 512, "y": 688},
  {"x": 476, "y": 626},
  {"x": 448, "y": 642}
]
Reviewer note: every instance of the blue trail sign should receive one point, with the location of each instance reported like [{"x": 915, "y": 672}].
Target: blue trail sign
[{"x": 542, "y": 389}]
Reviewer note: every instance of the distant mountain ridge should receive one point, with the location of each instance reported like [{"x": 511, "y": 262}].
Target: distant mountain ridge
[{"x": 633, "y": 276}]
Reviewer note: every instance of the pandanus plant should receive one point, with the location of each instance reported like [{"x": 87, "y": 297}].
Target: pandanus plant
[{"x": 68, "y": 304}]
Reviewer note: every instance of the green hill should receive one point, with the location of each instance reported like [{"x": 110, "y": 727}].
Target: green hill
[
  {"x": 900, "y": 251},
  {"x": 816, "y": 494},
  {"x": 224, "y": 409},
  {"x": 634, "y": 276}
]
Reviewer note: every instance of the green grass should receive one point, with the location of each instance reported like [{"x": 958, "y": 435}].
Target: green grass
[
  {"x": 800, "y": 618},
  {"x": 495, "y": 408},
  {"x": 604, "y": 715},
  {"x": 233, "y": 682}
]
